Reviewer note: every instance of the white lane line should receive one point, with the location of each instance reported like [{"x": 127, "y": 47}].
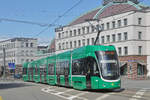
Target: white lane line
[
  {"x": 77, "y": 96},
  {"x": 58, "y": 93},
  {"x": 46, "y": 90},
  {"x": 72, "y": 97},
  {"x": 138, "y": 94},
  {"x": 102, "y": 97},
  {"x": 69, "y": 96}
]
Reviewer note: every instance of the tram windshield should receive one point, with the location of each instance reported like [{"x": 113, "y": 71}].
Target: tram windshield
[{"x": 109, "y": 66}]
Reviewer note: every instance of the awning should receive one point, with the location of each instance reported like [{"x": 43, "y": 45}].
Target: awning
[
  {"x": 122, "y": 63},
  {"x": 142, "y": 63}
]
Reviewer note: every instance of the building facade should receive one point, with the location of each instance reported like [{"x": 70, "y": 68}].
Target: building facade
[
  {"x": 124, "y": 24},
  {"x": 18, "y": 51}
]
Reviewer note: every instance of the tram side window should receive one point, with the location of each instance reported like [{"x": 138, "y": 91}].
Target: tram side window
[
  {"x": 44, "y": 70},
  {"x": 24, "y": 71},
  {"x": 36, "y": 70},
  {"x": 31, "y": 71},
  {"x": 50, "y": 69},
  {"x": 41, "y": 71},
  {"x": 62, "y": 68},
  {"x": 57, "y": 68},
  {"x": 85, "y": 66},
  {"x": 66, "y": 72}
]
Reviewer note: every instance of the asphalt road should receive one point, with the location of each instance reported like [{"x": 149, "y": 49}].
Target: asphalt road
[{"x": 19, "y": 90}]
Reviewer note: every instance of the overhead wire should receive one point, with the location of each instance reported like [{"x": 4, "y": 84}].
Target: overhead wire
[{"x": 58, "y": 18}]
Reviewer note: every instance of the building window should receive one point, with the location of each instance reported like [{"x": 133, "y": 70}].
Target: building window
[
  {"x": 79, "y": 31},
  {"x": 102, "y": 39},
  {"x": 22, "y": 52},
  {"x": 62, "y": 34},
  {"x": 93, "y": 28},
  {"x": 119, "y": 23},
  {"x": 83, "y": 30},
  {"x": 74, "y": 32},
  {"x": 27, "y": 60},
  {"x": 70, "y": 33},
  {"x": 67, "y": 45},
  {"x": 108, "y": 38},
  {"x": 125, "y": 36},
  {"x": 63, "y": 46},
  {"x": 113, "y": 24},
  {"x": 83, "y": 42},
  {"x": 70, "y": 44},
  {"x": 79, "y": 43},
  {"x": 108, "y": 25},
  {"x": 59, "y": 35},
  {"x": 59, "y": 46},
  {"x": 102, "y": 26},
  {"x": 139, "y": 35},
  {"x": 92, "y": 41},
  {"x": 88, "y": 41},
  {"x": 97, "y": 27},
  {"x": 27, "y": 44},
  {"x": 88, "y": 29},
  {"x": 139, "y": 21},
  {"x": 22, "y": 61},
  {"x": 119, "y": 51},
  {"x": 27, "y": 53},
  {"x": 125, "y": 22},
  {"x": 31, "y": 53},
  {"x": 125, "y": 50},
  {"x": 140, "y": 50},
  {"x": 66, "y": 33},
  {"x": 119, "y": 36},
  {"x": 75, "y": 44},
  {"x": 31, "y": 44},
  {"x": 113, "y": 38}
]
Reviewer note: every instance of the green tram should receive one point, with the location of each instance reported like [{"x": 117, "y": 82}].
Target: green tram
[{"x": 89, "y": 67}]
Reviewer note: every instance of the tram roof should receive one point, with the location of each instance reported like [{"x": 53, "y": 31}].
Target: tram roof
[{"x": 89, "y": 50}]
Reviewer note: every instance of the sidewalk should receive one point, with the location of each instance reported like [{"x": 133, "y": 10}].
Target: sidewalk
[
  {"x": 9, "y": 79},
  {"x": 134, "y": 84}
]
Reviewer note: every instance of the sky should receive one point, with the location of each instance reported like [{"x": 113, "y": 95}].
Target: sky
[{"x": 40, "y": 12}]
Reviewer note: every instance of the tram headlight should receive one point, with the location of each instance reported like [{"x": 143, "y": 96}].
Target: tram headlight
[{"x": 112, "y": 84}]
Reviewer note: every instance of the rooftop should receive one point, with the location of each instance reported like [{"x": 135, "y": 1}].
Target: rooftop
[
  {"x": 18, "y": 39},
  {"x": 111, "y": 8}
]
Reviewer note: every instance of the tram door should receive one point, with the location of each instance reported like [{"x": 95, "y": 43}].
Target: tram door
[
  {"x": 41, "y": 70},
  {"x": 29, "y": 73},
  {"x": 32, "y": 73},
  {"x": 58, "y": 72},
  {"x": 44, "y": 72},
  {"x": 91, "y": 69},
  {"x": 66, "y": 73},
  {"x": 62, "y": 69}
]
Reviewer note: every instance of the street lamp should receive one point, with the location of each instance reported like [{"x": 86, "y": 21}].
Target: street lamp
[{"x": 99, "y": 30}]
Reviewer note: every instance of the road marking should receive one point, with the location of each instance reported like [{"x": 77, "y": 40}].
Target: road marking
[
  {"x": 46, "y": 90},
  {"x": 102, "y": 97},
  {"x": 1, "y": 98},
  {"x": 138, "y": 94},
  {"x": 58, "y": 93},
  {"x": 77, "y": 96},
  {"x": 69, "y": 96}
]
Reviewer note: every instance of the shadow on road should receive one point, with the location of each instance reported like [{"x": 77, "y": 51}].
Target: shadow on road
[
  {"x": 13, "y": 85},
  {"x": 107, "y": 91}
]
